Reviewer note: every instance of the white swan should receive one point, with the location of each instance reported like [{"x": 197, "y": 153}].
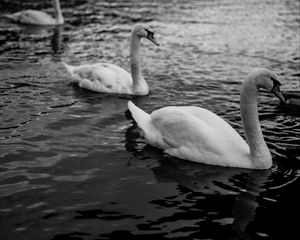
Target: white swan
[
  {"x": 109, "y": 78},
  {"x": 197, "y": 134},
  {"x": 35, "y": 17}
]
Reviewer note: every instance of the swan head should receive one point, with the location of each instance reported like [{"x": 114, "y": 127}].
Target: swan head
[
  {"x": 144, "y": 31},
  {"x": 268, "y": 80}
]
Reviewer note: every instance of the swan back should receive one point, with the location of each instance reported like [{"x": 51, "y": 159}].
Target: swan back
[
  {"x": 33, "y": 17},
  {"x": 199, "y": 135},
  {"x": 101, "y": 77},
  {"x": 193, "y": 133}
]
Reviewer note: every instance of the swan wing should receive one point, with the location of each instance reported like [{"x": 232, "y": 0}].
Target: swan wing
[
  {"x": 199, "y": 135},
  {"x": 217, "y": 123},
  {"x": 102, "y": 77},
  {"x": 33, "y": 17}
]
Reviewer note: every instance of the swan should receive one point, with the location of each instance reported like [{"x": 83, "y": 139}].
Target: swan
[
  {"x": 199, "y": 135},
  {"x": 292, "y": 98},
  {"x": 35, "y": 17},
  {"x": 110, "y": 78}
]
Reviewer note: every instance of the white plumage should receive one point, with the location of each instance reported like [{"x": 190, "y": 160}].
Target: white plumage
[
  {"x": 35, "y": 17},
  {"x": 192, "y": 133},
  {"x": 101, "y": 77}
]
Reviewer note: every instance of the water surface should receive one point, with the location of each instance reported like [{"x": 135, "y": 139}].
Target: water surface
[{"x": 73, "y": 164}]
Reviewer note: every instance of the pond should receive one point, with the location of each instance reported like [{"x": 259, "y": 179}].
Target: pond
[{"x": 73, "y": 164}]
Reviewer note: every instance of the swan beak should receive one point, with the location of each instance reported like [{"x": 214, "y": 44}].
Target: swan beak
[
  {"x": 152, "y": 39},
  {"x": 277, "y": 93}
]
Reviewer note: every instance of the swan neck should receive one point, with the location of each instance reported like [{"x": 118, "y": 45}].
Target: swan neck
[
  {"x": 135, "y": 61},
  {"x": 58, "y": 13},
  {"x": 259, "y": 152}
]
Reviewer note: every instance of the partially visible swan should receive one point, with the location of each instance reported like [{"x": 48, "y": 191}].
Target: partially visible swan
[
  {"x": 110, "y": 78},
  {"x": 35, "y": 17},
  {"x": 292, "y": 98},
  {"x": 197, "y": 134}
]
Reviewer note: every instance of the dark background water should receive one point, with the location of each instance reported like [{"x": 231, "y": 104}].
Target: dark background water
[{"x": 73, "y": 164}]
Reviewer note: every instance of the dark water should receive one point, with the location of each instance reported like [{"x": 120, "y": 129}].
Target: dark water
[{"x": 73, "y": 164}]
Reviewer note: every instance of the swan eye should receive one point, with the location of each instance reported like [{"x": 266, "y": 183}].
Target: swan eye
[
  {"x": 150, "y": 34},
  {"x": 276, "y": 82}
]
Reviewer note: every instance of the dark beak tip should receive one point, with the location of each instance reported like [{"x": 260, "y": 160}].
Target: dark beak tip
[
  {"x": 155, "y": 42},
  {"x": 282, "y": 98}
]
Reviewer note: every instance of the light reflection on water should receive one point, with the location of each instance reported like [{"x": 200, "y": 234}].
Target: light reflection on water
[{"x": 72, "y": 162}]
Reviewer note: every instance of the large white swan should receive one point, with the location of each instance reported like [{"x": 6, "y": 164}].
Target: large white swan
[
  {"x": 35, "y": 17},
  {"x": 110, "y": 78},
  {"x": 197, "y": 134}
]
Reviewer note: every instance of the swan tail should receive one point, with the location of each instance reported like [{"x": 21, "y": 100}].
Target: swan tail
[
  {"x": 142, "y": 118},
  {"x": 69, "y": 68},
  {"x": 13, "y": 17},
  {"x": 71, "y": 71}
]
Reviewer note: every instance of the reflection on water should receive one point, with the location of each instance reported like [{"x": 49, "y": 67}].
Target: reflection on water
[{"x": 73, "y": 164}]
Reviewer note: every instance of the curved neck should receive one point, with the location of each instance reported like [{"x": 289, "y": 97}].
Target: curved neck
[
  {"x": 259, "y": 152},
  {"x": 135, "y": 61},
  {"x": 58, "y": 14}
]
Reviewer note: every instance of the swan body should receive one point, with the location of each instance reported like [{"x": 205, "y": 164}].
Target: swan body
[
  {"x": 110, "y": 78},
  {"x": 199, "y": 135},
  {"x": 193, "y": 133},
  {"x": 102, "y": 77},
  {"x": 35, "y": 17}
]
